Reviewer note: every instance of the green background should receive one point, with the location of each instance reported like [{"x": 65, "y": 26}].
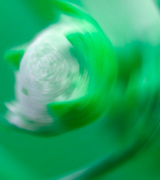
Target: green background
[{"x": 24, "y": 156}]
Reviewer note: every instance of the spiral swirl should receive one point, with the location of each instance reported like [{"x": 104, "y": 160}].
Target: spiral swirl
[
  {"x": 58, "y": 73},
  {"x": 70, "y": 76}
]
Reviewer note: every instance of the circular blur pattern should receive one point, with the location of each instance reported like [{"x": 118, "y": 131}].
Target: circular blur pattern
[{"x": 94, "y": 103}]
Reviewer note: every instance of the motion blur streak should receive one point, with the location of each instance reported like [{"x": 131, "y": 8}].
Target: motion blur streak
[{"x": 87, "y": 91}]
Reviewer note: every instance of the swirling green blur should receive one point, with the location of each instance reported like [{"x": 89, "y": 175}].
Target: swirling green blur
[{"x": 115, "y": 126}]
